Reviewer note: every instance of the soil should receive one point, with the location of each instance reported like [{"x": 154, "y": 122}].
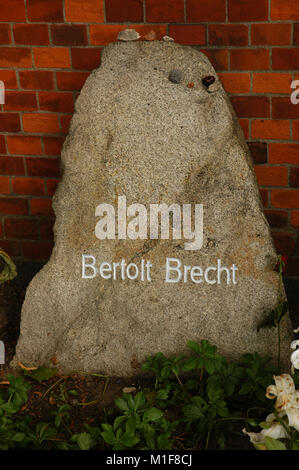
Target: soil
[{"x": 96, "y": 394}]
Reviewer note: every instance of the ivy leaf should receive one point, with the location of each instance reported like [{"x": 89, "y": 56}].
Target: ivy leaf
[
  {"x": 42, "y": 373},
  {"x": 274, "y": 444}
]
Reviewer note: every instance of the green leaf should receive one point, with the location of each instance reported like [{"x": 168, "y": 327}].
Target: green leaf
[
  {"x": 129, "y": 440},
  {"x": 118, "y": 422},
  {"x": 274, "y": 444},
  {"x": 153, "y": 414},
  {"x": 121, "y": 404},
  {"x": 43, "y": 373},
  {"x": 84, "y": 441},
  {"x": 18, "y": 437},
  {"x": 245, "y": 389}
]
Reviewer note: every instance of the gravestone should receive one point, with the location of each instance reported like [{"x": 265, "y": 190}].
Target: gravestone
[{"x": 160, "y": 236}]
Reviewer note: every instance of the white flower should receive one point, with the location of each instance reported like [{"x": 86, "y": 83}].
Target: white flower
[
  {"x": 276, "y": 431},
  {"x": 295, "y": 354},
  {"x": 287, "y": 398},
  {"x": 296, "y": 330}
]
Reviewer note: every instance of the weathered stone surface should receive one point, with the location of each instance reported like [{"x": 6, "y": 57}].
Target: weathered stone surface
[{"x": 136, "y": 133}]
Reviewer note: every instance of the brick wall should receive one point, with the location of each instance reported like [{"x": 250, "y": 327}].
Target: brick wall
[{"x": 48, "y": 48}]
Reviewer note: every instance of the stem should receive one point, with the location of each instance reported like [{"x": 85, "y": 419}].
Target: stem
[{"x": 208, "y": 437}]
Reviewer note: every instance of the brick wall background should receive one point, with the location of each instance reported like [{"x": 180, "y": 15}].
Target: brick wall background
[{"x": 49, "y": 47}]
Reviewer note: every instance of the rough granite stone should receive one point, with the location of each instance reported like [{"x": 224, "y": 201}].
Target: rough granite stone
[{"x": 135, "y": 133}]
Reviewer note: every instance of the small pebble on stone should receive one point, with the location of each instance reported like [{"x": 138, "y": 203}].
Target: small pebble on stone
[
  {"x": 175, "y": 76},
  {"x": 128, "y": 35},
  {"x": 209, "y": 80},
  {"x": 151, "y": 36},
  {"x": 167, "y": 39}
]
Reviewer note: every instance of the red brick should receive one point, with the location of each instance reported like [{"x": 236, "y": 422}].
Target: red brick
[
  {"x": 284, "y": 243},
  {"x": 20, "y": 101},
  {"x": 228, "y": 35},
  {"x": 48, "y": 167},
  {"x": 12, "y": 11},
  {"x": 271, "y": 175},
  {"x": 292, "y": 268},
  {"x": 296, "y": 34},
  {"x": 295, "y": 219},
  {"x": 89, "y": 11},
  {"x": 271, "y": 34},
  {"x": 205, "y": 10},
  {"x": 188, "y": 34},
  {"x": 65, "y": 120},
  {"x": 285, "y": 198},
  {"x": 278, "y": 219},
  {"x": 251, "y": 106},
  {"x": 282, "y": 108},
  {"x": 52, "y": 57},
  {"x": 2, "y": 144},
  {"x": 9, "y": 78},
  {"x": 52, "y": 186},
  {"x": 71, "y": 80},
  {"x": 247, "y": 10},
  {"x": 258, "y": 151},
  {"x": 41, "y": 123},
  {"x": 270, "y": 129},
  {"x": 12, "y": 165},
  {"x": 50, "y": 11},
  {"x": 168, "y": 11},
  {"x": 53, "y": 145},
  {"x": 235, "y": 82},
  {"x": 69, "y": 35},
  {"x": 15, "y": 57},
  {"x": 296, "y": 130},
  {"x": 32, "y": 34},
  {"x": 29, "y": 186},
  {"x": 37, "y": 250},
  {"x": 102, "y": 34},
  {"x": 218, "y": 58},
  {"x": 284, "y": 153},
  {"x": 24, "y": 145},
  {"x": 46, "y": 229},
  {"x": 285, "y": 59},
  {"x": 294, "y": 177},
  {"x": 4, "y": 185},
  {"x": 271, "y": 82},
  {"x": 9, "y": 122},
  {"x": 21, "y": 228},
  {"x": 36, "y": 79},
  {"x": 284, "y": 10},
  {"x": 59, "y": 102},
  {"x": 12, "y": 248},
  {"x": 244, "y": 123},
  {"x": 124, "y": 10},
  {"x": 249, "y": 59},
  {"x": 15, "y": 206},
  {"x": 5, "y": 37},
  {"x": 85, "y": 58},
  {"x": 264, "y": 196},
  {"x": 41, "y": 207}
]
